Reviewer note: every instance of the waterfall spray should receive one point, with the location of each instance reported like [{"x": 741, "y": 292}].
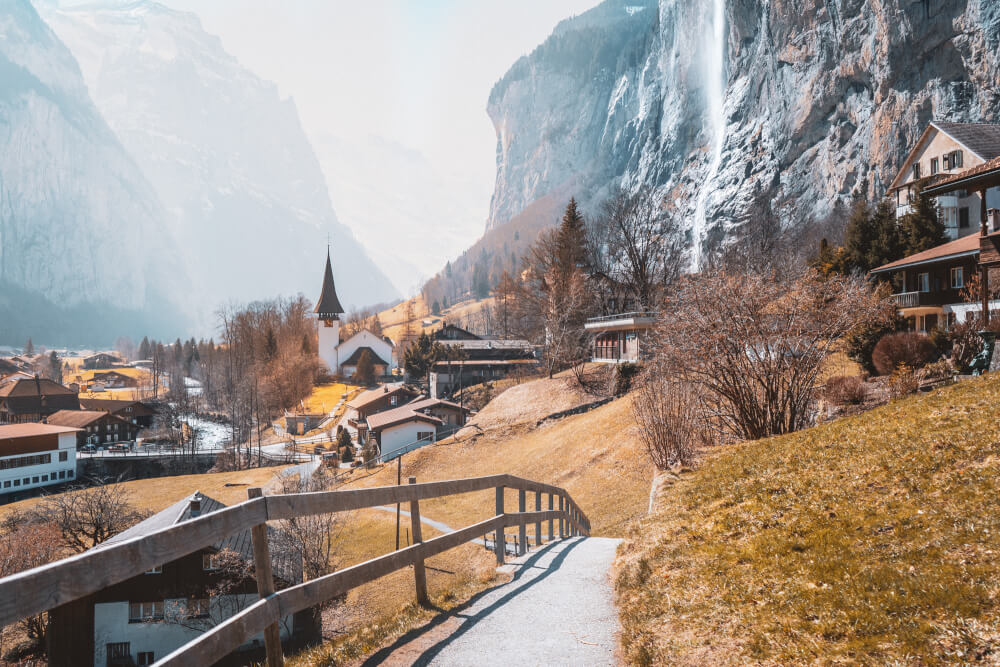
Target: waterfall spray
[{"x": 716, "y": 88}]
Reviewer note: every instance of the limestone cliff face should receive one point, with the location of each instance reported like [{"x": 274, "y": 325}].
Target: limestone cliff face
[{"x": 803, "y": 101}]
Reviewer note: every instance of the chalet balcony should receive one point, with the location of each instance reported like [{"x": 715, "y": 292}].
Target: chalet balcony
[
  {"x": 927, "y": 299},
  {"x": 635, "y": 320},
  {"x": 902, "y": 210}
]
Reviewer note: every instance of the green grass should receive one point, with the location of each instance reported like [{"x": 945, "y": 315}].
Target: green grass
[{"x": 872, "y": 539}]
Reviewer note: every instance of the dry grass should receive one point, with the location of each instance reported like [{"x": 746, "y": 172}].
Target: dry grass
[
  {"x": 868, "y": 540},
  {"x": 528, "y": 402},
  {"x": 394, "y": 319}
]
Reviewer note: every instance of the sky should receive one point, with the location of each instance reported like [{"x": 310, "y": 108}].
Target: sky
[{"x": 414, "y": 75}]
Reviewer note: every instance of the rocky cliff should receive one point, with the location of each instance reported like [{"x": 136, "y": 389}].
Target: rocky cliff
[{"x": 716, "y": 103}]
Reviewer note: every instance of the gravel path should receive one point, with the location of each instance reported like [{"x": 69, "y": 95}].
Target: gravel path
[{"x": 557, "y": 610}]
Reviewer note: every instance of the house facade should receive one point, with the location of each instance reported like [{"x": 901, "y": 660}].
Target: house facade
[
  {"x": 477, "y": 360},
  {"x": 944, "y": 150},
  {"x": 135, "y": 412},
  {"x": 341, "y": 357},
  {"x": 143, "y": 619},
  {"x": 32, "y": 400},
  {"x": 420, "y": 422},
  {"x": 101, "y": 360},
  {"x": 97, "y": 427},
  {"x": 33, "y": 456},
  {"x": 621, "y": 337}
]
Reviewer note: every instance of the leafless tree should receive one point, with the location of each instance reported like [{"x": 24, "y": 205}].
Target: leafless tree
[
  {"x": 671, "y": 420},
  {"x": 88, "y": 516},
  {"x": 22, "y": 547}
]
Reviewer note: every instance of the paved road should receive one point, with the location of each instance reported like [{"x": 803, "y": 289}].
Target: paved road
[{"x": 556, "y": 611}]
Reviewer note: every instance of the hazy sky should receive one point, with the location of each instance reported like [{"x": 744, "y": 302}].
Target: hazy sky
[{"x": 415, "y": 72}]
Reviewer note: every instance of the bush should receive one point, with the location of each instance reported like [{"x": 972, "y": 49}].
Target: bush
[
  {"x": 903, "y": 382},
  {"x": 624, "y": 375},
  {"x": 670, "y": 421},
  {"x": 860, "y": 342},
  {"x": 908, "y": 348},
  {"x": 939, "y": 370},
  {"x": 846, "y": 390}
]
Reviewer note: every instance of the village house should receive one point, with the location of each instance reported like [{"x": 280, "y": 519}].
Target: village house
[
  {"x": 143, "y": 619},
  {"x": 944, "y": 150},
  {"x": 620, "y": 337},
  {"x": 34, "y": 456},
  {"x": 97, "y": 427},
  {"x": 341, "y": 356},
  {"x": 930, "y": 283},
  {"x": 112, "y": 380},
  {"x": 32, "y": 400},
  {"x": 470, "y": 359},
  {"x": 373, "y": 401},
  {"x": 101, "y": 360},
  {"x": 415, "y": 424},
  {"x": 136, "y": 412},
  {"x": 300, "y": 423}
]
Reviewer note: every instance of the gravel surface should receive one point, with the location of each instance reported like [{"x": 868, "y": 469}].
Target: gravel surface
[{"x": 557, "y": 610}]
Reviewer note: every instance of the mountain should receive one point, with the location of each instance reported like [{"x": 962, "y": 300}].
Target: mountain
[
  {"x": 79, "y": 224},
  {"x": 719, "y": 103},
  {"x": 247, "y": 203}
]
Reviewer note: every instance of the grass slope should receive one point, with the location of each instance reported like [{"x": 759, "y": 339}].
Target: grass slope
[{"x": 872, "y": 539}]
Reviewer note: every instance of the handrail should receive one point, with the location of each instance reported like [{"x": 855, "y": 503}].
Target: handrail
[
  {"x": 622, "y": 316},
  {"x": 49, "y": 586}
]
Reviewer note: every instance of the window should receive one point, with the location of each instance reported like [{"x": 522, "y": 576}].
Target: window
[
  {"x": 963, "y": 216},
  {"x": 34, "y": 480},
  {"x": 197, "y": 608},
  {"x": 45, "y": 478},
  {"x": 17, "y": 482},
  {"x": 63, "y": 456},
  {"x": 143, "y": 658},
  {"x": 923, "y": 282},
  {"x": 957, "y": 277},
  {"x": 69, "y": 473},
  {"x": 946, "y": 162},
  {"x": 425, "y": 435},
  {"x": 62, "y": 474},
  {"x": 956, "y": 159},
  {"x": 209, "y": 562},
  {"x": 6, "y": 484},
  {"x": 27, "y": 481},
  {"x": 916, "y": 171},
  {"x": 140, "y": 612},
  {"x": 393, "y": 400},
  {"x": 934, "y": 166}
]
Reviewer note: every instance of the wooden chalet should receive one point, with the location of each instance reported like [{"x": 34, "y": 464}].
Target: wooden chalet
[
  {"x": 101, "y": 360},
  {"x": 33, "y": 400},
  {"x": 135, "y": 412},
  {"x": 473, "y": 361},
  {"x": 143, "y": 619},
  {"x": 96, "y": 427},
  {"x": 419, "y": 422}
]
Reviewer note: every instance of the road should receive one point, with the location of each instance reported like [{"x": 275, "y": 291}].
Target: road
[{"x": 557, "y": 610}]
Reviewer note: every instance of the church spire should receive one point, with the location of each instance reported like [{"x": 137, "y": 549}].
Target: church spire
[{"x": 328, "y": 307}]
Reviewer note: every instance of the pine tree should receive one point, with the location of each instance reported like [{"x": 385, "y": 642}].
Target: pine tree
[
  {"x": 365, "y": 373},
  {"x": 436, "y": 308},
  {"x": 270, "y": 345},
  {"x": 873, "y": 238},
  {"x": 144, "y": 348},
  {"x": 572, "y": 240},
  {"x": 447, "y": 269},
  {"x": 444, "y": 302},
  {"x": 888, "y": 243},
  {"x": 55, "y": 367},
  {"x": 29, "y": 347},
  {"x": 922, "y": 228}
]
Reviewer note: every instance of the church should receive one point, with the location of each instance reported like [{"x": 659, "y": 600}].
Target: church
[{"x": 342, "y": 357}]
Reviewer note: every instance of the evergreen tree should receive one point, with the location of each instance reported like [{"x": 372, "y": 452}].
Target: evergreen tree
[
  {"x": 922, "y": 228},
  {"x": 873, "y": 238},
  {"x": 444, "y": 302},
  {"x": 447, "y": 269},
  {"x": 144, "y": 348},
  {"x": 55, "y": 367},
  {"x": 889, "y": 244},
  {"x": 270, "y": 345},
  {"x": 436, "y": 308},
  {"x": 420, "y": 356},
  {"x": 365, "y": 373},
  {"x": 572, "y": 240},
  {"x": 29, "y": 347}
]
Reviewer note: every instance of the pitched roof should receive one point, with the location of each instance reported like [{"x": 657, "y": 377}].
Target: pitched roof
[
  {"x": 79, "y": 418},
  {"x": 983, "y": 139},
  {"x": 967, "y": 245},
  {"x": 399, "y": 415},
  {"x": 110, "y": 404},
  {"x": 488, "y": 344},
  {"x": 33, "y": 387},
  {"x": 286, "y": 566},
  {"x": 371, "y": 395},
  {"x": 328, "y": 304},
  {"x": 11, "y": 431},
  {"x": 354, "y": 358}
]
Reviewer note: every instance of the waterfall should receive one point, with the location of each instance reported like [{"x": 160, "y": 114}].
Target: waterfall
[{"x": 716, "y": 92}]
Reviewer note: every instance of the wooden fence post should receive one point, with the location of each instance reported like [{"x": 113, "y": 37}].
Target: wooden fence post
[
  {"x": 265, "y": 584},
  {"x": 550, "y": 518},
  {"x": 499, "y": 543},
  {"x": 562, "y": 518},
  {"x": 522, "y": 507},
  {"x": 538, "y": 524},
  {"x": 419, "y": 573}
]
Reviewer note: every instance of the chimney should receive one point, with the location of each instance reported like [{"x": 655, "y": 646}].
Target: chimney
[{"x": 195, "y": 504}]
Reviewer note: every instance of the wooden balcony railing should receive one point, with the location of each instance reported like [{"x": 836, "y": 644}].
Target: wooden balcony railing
[
  {"x": 49, "y": 586},
  {"x": 907, "y": 299}
]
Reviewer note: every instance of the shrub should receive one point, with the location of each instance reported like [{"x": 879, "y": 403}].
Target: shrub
[
  {"x": 860, "y": 342},
  {"x": 908, "y": 348},
  {"x": 624, "y": 375},
  {"x": 903, "y": 381},
  {"x": 939, "y": 370},
  {"x": 846, "y": 390},
  {"x": 670, "y": 421}
]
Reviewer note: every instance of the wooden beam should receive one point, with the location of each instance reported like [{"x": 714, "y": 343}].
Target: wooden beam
[
  {"x": 550, "y": 519},
  {"x": 522, "y": 533},
  {"x": 265, "y": 584},
  {"x": 538, "y": 524},
  {"x": 499, "y": 545},
  {"x": 419, "y": 573}
]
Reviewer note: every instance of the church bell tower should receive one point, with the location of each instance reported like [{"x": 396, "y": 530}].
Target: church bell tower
[{"x": 328, "y": 311}]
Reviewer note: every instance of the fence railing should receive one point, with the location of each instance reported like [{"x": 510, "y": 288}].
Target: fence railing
[
  {"x": 50, "y": 586},
  {"x": 631, "y": 315}
]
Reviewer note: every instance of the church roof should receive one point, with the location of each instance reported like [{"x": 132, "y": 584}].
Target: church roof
[
  {"x": 356, "y": 357},
  {"x": 328, "y": 305}
]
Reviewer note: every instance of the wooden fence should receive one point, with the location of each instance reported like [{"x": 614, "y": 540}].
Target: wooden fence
[{"x": 49, "y": 586}]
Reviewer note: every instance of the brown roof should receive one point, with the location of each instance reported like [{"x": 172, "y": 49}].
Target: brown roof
[
  {"x": 978, "y": 170},
  {"x": 399, "y": 416},
  {"x": 423, "y": 403},
  {"x": 967, "y": 245},
  {"x": 11, "y": 431},
  {"x": 79, "y": 418},
  {"x": 328, "y": 304},
  {"x": 30, "y": 388},
  {"x": 983, "y": 139},
  {"x": 109, "y": 404},
  {"x": 356, "y": 357},
  {"x": 485, "y": 362},
  {"x": 371, "y": 395}
]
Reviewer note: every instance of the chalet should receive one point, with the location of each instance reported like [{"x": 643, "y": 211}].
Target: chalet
[
  {"x": 143, "y": 619},
  {"x": 34, "y": 456},
  {"x": 417, "y": 423},
  {"x": 620, "y": 337},
  {"x": 135, "y": 412},
  {"x": 17, "y": 375},
  {"x": 373, "y": 401},
  {"x": 96, "y": 426},
  {"x": 943, "y": 151},
  {"x": 452, "y": 332},
  {"x": 341, "y": 356},
  {"x": 930, "y": 282},
  {"x": 474, "y": 361},
  {"x": 33, "y": 400},
  {"x": 101, "y": 360},
  {"x": 113, "y": 380}
]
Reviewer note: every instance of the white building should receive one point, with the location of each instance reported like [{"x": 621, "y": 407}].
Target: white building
[
  {"x": 415, "y": 424},
  {"x": 341, "y": 357},
  {"x": 36, "y": 455}
]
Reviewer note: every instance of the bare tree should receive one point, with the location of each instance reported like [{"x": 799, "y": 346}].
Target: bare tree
[
  {"x": 22, "y": 547},
  {"x": 89, "y": 516},
  {"x": 671, "y": 420}
]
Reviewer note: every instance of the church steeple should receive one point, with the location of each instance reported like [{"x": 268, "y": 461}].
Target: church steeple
[{"x": 328, "y": 307}]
